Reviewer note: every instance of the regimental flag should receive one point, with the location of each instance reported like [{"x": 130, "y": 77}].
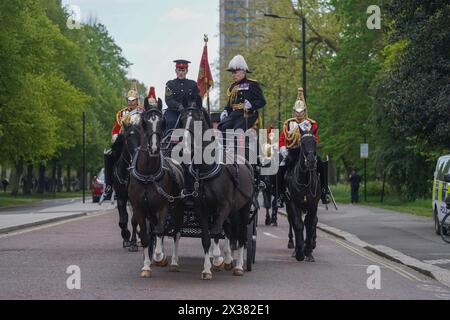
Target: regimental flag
[{"x": 205, "y": 80}]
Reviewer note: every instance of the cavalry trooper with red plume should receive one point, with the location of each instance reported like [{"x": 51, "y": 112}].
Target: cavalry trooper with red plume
[
  {"x": 132, "y": 111},
  {"x": 290, "y": 142}
]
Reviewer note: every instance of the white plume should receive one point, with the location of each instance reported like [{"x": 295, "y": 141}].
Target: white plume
[{"x": 238, "y": 63}]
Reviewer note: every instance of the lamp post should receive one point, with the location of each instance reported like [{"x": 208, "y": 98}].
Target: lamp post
[{"x": 303, "y": 22}]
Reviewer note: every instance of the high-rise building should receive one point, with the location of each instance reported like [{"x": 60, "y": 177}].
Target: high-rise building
[{"x": 235, "y": 33}]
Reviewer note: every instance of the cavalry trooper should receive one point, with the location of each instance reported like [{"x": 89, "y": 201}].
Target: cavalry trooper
[
  {"x": 134, "y": 111},
  {"x": 290, "y": 142},
  {"x": 177, "y": 90}
]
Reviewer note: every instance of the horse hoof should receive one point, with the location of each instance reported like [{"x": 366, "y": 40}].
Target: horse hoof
[
  {"x": 146, "y": 274},
  {"x": 267, "y": 222},
  {"x": 174, "y": 268},
  {"x": 133, "y": 248},
  {"x": 126, "y": 244},
  {"x": 293, "y": 254},
  {"x": 228, "y": 266},
  {"x": 310, "y": 259},
  {"x": 275, "y": 224},
  {"x": 300, "y": 255},
  {"x": 290, "y": 245},
  {"x": 163, "y": 263},
  {"x": 218, "y": 267},
  {"x": 238, "y": 272},
  {"x": 206, "y": 276}
]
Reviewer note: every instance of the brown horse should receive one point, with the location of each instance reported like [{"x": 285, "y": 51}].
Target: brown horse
[{"x": 155, "y": 186}]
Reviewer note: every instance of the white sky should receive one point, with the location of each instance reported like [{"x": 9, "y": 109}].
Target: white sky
[{"x": 153, "y": 33}]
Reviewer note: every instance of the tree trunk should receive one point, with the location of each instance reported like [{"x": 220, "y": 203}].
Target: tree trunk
[
  {"x": 28, "y": 183},
  {"x": 69, "y": 180},
  {"x": 3, "y": 172},
  {"x": 53, "y": 183},
  {"x": 16, "y": 175},
  {"x": 41, "y": 179},
  {"x": 59, "y": 178}
]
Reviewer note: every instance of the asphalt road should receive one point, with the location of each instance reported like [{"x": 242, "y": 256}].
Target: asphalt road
[{"x": 33, "y": 265}]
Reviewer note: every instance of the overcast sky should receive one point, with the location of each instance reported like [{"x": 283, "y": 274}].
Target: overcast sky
[{"x": 153, "y": 33}]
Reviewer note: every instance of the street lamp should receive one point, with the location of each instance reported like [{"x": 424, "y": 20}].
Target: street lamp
[{"x": 303, "y": 19}]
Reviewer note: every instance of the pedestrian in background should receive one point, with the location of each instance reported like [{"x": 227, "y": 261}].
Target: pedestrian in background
[
  {"x": 354, "y": 180},
  {"x": 5, "y": 183}
]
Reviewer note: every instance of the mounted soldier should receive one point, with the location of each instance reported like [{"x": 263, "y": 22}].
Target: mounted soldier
[
  {"x": 290, "y": 142},
  {"x": 132, "y": 113}
]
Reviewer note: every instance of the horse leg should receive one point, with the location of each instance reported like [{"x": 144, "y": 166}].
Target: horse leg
[
  {"x": 217, "y": 258},
  {"x": 291, "y": 237},
  {"x": 274, "y": 212},
  {"x": 123, "y": 221},
  {"x": 242, "y": 221},
  {"x": 133, "y": 240},
  {"x": 297, "y": 224},
  {"x": 206, "y": 243},
  {"x": 159, "y": 258},
  {"x": 147, "y": 242},
  {"x": 174, "y": 264},
  {"x": 227, "y": 248},
  {"x": 266, "y": 196},
  {"x": 310, "y": 223}
]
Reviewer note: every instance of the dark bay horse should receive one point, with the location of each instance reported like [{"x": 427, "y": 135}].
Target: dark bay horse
[
  {"x": 155, "y": 186},
  {"x": 131, "y": 138},
  {"x": 303, "y": 186},
  {"x": 225, "y": 197}
]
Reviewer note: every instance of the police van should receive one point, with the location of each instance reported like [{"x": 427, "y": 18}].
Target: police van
[{"x": 441, "y": 188}]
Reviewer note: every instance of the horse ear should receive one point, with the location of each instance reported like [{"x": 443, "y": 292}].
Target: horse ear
[
  {"x": 160, "y": 104},
  {"x": 146, "y": 104}
]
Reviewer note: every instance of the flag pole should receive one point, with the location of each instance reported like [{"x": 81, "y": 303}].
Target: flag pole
[{"x": 205, "y": 38}]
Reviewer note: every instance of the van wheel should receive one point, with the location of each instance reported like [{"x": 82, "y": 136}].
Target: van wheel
[{"x": 437, "y": 227}]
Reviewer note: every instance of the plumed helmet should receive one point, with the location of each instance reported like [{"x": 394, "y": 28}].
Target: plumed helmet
[
  {"x": 133, "y": 93},
  {"x": 300, "y": 104},
  {"x": 238, "y": 63}
]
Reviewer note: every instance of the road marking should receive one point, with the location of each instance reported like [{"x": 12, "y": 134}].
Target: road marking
[
  {"x": 394, "y": 268},
  {"x": 271, "y": 235}
]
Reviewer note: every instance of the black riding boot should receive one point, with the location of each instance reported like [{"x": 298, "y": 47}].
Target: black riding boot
[
  {"x": 109, "y": 164},
  {"x": 274, "y": 216},
  {"x": 323, "y": 172}
]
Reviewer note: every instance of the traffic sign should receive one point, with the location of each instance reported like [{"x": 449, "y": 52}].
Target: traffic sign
[{"x": 364, "y": 150}]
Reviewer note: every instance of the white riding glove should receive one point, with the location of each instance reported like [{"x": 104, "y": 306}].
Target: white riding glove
[
  {"x": 223, "y": 115},
  {"x": 114, "y": 138},
  {"x": 248, "y": 105},
  {"x": 284, "y": 152}
]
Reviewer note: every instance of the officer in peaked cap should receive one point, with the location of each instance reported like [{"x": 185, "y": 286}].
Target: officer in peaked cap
[{"x": 176, "y": 90}]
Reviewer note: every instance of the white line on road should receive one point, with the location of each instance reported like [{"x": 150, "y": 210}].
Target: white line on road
[
  {"x": 271, "y": 235},
  {"x": 437, "y": 261}
]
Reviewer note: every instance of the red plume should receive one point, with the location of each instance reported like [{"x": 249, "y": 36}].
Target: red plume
[{"x": 151, "y": 93}]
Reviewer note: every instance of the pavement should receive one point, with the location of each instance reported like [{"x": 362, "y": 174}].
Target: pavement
[
  {"x": 47, "y": 211},
  {"x": 404, "y": 238},
  {"x": 40, "y": 263}
]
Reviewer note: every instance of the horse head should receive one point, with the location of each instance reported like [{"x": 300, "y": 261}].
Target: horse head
[
  {"x": 154, "y": 126},
  {"x": 132, "y": 138},
  {"x": 308, "y": 155}
]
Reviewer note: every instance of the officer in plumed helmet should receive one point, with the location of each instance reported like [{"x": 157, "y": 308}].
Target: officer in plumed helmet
[{"x": 245, "y": 97}]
